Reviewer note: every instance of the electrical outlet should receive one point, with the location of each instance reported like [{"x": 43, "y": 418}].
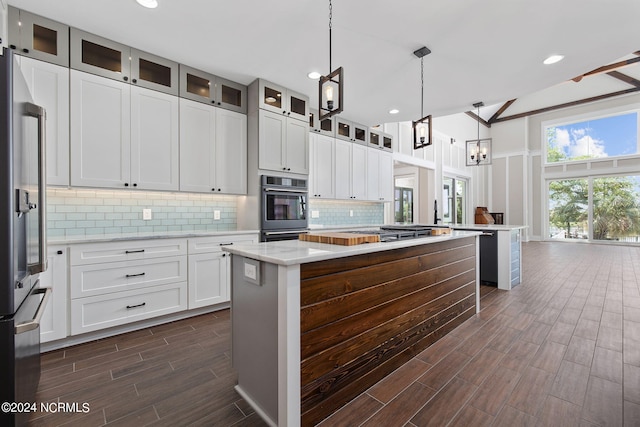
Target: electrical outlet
[
  {"x": 350, "y": 212},
  {"x": 315, "y": 214},
  {"x": 216, "y": 215},
  {"x": 146, "y": 214}
]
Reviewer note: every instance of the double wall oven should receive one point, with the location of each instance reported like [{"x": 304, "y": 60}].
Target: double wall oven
[{"x": 283, "y": 208}]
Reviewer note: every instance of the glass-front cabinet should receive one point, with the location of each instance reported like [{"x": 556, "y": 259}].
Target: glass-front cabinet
[
  {"x": 153, "y": 72},
  {"x": 378, "y": 139},
  {"x": 283, "y": 101},
  {"x": 205, "y": 87},
  {"x": 38, "y": 37},
  {"x": 100, "y": 56},
  {"x": 351, "y": 131},
  {"x": 323, "y": 127}
]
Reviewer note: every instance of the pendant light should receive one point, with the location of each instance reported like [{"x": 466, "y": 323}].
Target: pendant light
[
  {"x": 330, "y": 86},
  {"x": 478, "y": 150},
  {"x": 422, "y": 127}
]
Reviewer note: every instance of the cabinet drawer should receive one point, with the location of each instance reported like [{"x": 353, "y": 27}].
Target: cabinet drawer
[
  {"x": 97, "y": 279},
  {"x": 99, "y": 312},
  {"x": 92, "y": 253},
  {"x": 202, "y": 245}
]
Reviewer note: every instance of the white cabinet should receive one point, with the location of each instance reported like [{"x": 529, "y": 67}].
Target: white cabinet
[
  {"x": 213, "y": 149},
  {"x": 204, "y": 87},
  {"x": 322, "y": 175},
  {"x": 4, "y": 30},
  {"x": 154, "y": 140},
  {"x": 153, "y": 72},
  {"x": 115, "y": 283},
  {"x": 53, "y": 324},
  {"x": 283, "y": 101},
  {"x": 351, "y": 131},
  {"x": 350, "y": 171},
  {"x": 379, "y": 175},
  {"x": 35, "y": 36},
  {"x": 324, "y": 127},
  {"x": 122, "y": 136},
  {"x": 100, "y": 56},
  {"x": 49, "y": 85},
  {"x": 284, "y": 143},
  {"x": 209, "y": 269}
]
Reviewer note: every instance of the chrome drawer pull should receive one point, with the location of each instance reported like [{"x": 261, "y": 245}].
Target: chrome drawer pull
[
  {"x": 134, "y": 275},
  {"x": 137, "y": 305}
]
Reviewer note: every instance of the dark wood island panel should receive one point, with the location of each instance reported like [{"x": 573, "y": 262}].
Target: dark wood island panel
[{"x": 362, "y": 317}]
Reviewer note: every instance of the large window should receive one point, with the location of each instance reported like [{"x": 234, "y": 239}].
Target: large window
[
  {"x": 455, "y": 197},
  {"x": 595, "y": 138},
  {"x": 598, "y": 208}
]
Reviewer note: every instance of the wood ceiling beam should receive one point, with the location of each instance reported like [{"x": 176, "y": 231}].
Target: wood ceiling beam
[
  {"x": 637, "y": 52},
  {"x": 627, "y": 79},
  {"x": 474, "y": 116},
  {"x": 501, "y": 110},
  {"x": 566, "y": 104},
  {"x": 609, "y": 67}
]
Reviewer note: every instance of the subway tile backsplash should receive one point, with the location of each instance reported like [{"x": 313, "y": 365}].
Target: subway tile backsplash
[
  {"x": 79, "y": 212},
  {"x": 338, "y": 213}
]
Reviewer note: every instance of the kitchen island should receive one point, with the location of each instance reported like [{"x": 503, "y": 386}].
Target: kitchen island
[{"x": 315, "y": 325}]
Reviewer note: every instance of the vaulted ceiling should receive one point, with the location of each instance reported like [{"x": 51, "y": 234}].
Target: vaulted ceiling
[{"x": 490, "y": 51}]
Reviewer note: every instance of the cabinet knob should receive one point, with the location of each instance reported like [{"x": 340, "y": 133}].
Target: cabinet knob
[
  {"x": 219, "y": 103},
  {"x": 224, "y": 255},
  {"x": 134, "y": 80},
  {"x": 213, "y": 101},
  {"x": 135, "y": 184},
  {"x": 25, "y": 50},
  {"x": 289, "y": 113},
  {"x": 59, "y": 252},
  {"x": 284, "y": 112},
  {"x": 284, "y": 169},
  {"x": 213, "y": 189},
  {"x": 125, "y": 78},
  {"x": 12, "y": 46},
  {"x": 126, "y": 184},
  {"x": 219, "y": 189}
]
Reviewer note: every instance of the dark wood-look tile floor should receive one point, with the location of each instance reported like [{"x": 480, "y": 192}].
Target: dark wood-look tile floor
[{"x": 561, "y": 349}]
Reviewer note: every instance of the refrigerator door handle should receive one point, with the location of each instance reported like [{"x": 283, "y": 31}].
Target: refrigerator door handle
[
  {"x": 33, "y": 324},
  {"x": 40, "y": 113}
]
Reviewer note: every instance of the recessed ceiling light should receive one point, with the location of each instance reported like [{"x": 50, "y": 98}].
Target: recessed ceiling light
[
  {"x": 553, "y": 59},
  {"x": 151, "y": 4},
  {"x": 314, "y": 75},
  {"x": 394, "y": 111}
]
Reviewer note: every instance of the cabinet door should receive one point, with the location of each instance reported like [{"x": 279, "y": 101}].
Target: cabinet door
[
  {"x": 373, "y": 175},
  {"x": 153, "y": 72},
  {"x": 4, "y": 25},
  {"x": 322, "y": 173},
  {"x": 100, "y": 131},
  {"x": 40, "y": 38},
  {"x": 197, "y": 85},
  {"x": 154, "y": 140},
  {"x": 358, "y": 172},
  {"x": 231, "y": 152},
  {"x": 297, "y": 147},
  {"x": 344, "y": 129},
  {"x": 272, "y": 134},
  {"x": 385, "y": 168},
  {"x": 99, "y": 56},
  {"x": 49, "y": 85},
  {"x": 197, "y": 146},
  {"x": 231, "y": 95},
  {"x": 208, "y": 279},
  {"x": 53, "y": 325},
  {"x": 342, "y": 166},
  {"x": 297, "y": 106},
  {"x": 272, "y": 97}
]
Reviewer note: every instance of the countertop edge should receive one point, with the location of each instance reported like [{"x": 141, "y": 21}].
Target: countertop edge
[
  {"x": 292, "y": 252},
  {"x": 152, "y": 236}
]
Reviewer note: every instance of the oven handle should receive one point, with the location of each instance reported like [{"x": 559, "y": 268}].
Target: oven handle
[
  {"x": 284, "y": 190},
  {"x": 33, "y": 324},
  {"x": 276, "y": 233}
]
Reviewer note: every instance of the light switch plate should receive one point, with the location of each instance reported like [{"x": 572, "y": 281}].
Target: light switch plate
[
  {"x": 146, "y": 214},
  {"x": 216, "y": 215},
  {"x": 350, "y": 212},
  {"x": 252, "y": 271},
  {"x": 315, "y": 214}
]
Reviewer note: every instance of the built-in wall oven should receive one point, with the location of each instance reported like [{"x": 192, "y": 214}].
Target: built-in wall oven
[{"x": 283, "y": 208}]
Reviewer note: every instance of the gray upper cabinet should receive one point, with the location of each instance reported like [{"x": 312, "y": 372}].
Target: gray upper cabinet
[
  {"x": 378, "y": 139},
  {"x": 38, "y": 37},
  {"x": 283, "y": 101},
  {"x": 350, "y": 131},
  {"x": 153, "y": 72},
  {"x": 323, "y": 127},
  {"x": 210, "y": 89},
  {"x": 100, "y": 56}
]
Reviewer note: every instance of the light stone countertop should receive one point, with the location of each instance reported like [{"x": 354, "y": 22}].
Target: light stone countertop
[
  {"x": 492, "y": 227},
  {"x": 290, "y": 252},
  {"x": 145, "y": 236}
]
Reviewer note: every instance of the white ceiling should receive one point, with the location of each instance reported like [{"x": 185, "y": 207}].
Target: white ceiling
[{"x": 489, "y": 51}]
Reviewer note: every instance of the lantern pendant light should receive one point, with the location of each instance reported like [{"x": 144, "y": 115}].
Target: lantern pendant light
[
  {"x": 422, "y": 133},
  {"x": 478, "y": 150},
  {"x": 330, "y": 86}
]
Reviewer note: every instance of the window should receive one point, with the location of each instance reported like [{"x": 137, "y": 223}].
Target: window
[
  {"x": 609, "y": 136},
  {"x": 568, "y": 209},
  {"x": 454, "y": 195}
]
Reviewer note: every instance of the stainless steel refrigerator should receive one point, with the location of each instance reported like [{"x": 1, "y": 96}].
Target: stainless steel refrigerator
[{"x": 22, "y": 239}]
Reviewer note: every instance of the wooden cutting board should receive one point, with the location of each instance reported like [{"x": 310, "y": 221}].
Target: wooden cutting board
[{"x": 344, "y": 239}]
